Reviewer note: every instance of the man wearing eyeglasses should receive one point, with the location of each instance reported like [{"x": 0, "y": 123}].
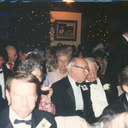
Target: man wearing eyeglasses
[{"x": 68, "y": 95}]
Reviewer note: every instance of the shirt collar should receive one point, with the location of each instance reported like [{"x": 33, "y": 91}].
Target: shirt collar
[
  {"x": 89, "y": 81},
  {"x": 13, "y": 116},
  {"x": 125, "y": 37},
  {"x": 1, "y": 69},
  {"x": 126, "y": 97},
  {"x": 70, "y": 79}
]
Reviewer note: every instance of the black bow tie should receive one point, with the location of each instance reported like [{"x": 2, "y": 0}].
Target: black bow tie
[
  {"x": 89, "y": 83},
  {"x": 77, "y": 84},
  {"x": 29, "y": 122},
  {"x": 1, "y": 71}
]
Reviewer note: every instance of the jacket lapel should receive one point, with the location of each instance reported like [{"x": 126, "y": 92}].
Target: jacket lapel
[
  {"x": 9, "y": 125},
  {"x": 125, "y": 103},
  {"x": 69, "y": 90}
]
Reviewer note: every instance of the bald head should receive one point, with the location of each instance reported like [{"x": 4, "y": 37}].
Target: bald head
[{"x": 12, "y": 53}]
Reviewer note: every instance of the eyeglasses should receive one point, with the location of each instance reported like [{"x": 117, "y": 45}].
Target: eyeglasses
[{"x": 86, "y": 68}]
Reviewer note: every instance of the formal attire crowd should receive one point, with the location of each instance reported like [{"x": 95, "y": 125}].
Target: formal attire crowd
[{"x": 72, "y": 95}]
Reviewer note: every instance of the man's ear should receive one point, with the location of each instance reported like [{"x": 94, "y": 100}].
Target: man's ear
[
  {"x": 125, "y": 88},
  {"x": 97, "y": 68},
  {"x": 8, "y": 96}
]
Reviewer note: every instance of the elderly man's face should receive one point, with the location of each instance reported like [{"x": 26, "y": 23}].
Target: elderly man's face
[
  {"x": 12, "y": 55},
  {"x": 80, "y": 70},
  {"x": 22, "y": 97},
  {"x": 92, "y": 72}
]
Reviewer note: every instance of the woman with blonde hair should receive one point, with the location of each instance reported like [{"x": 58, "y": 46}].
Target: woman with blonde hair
[{"x": 62, "y": 58}]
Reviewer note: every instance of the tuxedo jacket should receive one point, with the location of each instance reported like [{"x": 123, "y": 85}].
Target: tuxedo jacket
[
  {"x": 37, "y": 116},
  {"x": 16, "y": 64},
  {"x": 64, "y": 100},
  {"x": 119, "y": 106},
  {"x": 6, "y": 73}
]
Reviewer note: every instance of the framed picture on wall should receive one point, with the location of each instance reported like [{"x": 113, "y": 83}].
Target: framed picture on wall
[{"x": 66, "y": 30}]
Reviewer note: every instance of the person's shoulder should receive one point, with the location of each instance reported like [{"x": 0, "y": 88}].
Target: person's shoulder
[
  {"x": 60, "y": 82},
  {"x": 52, "y": 73},
  {"x": 115, "y": 107},
  {"x": 39, "y": 115},
  {"x": 4, "y": 114}
]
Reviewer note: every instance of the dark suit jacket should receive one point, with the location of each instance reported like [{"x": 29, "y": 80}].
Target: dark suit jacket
[
  {"x": 16, "y": 64},
  {"x": 37, "y": 116},
  {"x": 119, "y": 106},
  {"x": 7, "y": 73},
  {"x": 117, "y": 60},
  {"x": 64, "y": 100}
]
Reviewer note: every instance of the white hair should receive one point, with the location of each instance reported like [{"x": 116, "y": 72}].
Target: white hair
[
  {"x": 91, "y": 60},
  {"x": 71, "y": 63}
]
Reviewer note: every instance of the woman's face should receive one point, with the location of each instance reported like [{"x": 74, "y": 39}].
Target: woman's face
[
  {"x": 47, "y": 53},
  {"x": 37, "y": 73},
  {"x": 62, "y": 62}
]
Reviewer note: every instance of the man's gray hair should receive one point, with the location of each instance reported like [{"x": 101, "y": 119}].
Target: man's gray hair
[
  {"x": 91, "y": 60},
  {"x": 71, "y": 63}
]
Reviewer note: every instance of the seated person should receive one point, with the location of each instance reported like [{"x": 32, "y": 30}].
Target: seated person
[
  {"x": 4, "y": 74},
  {"x": 22, "y": 94},
  {"x": 12, "y": 62},
  {"x": 68, "y": 96},
  {"x": 121, "y": 104},
  {"x": 35, "y": 68},
  {"x": 62, "y": 59},
  {"x": 97, "y": 93}
]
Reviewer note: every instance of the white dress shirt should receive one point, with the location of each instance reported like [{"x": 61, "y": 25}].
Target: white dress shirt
[
  {"x": 77, "y": 94},
  {"x": 127, "y": 97},
  {"x": 13, "y": 116},
  {"x": 98, "y": 97},
  {"x": 125, "y": 37},
  {"x": 8, "y": 65},
  {"x": 2, "y": 83}
]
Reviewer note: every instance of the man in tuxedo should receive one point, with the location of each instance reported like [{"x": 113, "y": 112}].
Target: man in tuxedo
[
  {"x": 22, "y": 93},
  {"x": 121, "y": 104},
  {"x": 4, "y": 74},
  {"x": 117, "y": 60},
  {"x": 12, "y": 56},
  {"x": 97, "y": 93},
  {"x": 68, "y": 96}
]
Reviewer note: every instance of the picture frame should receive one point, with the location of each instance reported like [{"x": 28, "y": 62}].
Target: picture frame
[{"x": 65, "y": 30}]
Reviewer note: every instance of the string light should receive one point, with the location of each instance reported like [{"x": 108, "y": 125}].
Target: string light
[
  {"x": 68, "y": 1},
  {"x": 98, "y": 28}
]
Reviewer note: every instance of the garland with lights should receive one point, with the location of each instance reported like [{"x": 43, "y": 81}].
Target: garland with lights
[
  {"x": 98, "y": 29},
  {"x": 32, "y": 28}
]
